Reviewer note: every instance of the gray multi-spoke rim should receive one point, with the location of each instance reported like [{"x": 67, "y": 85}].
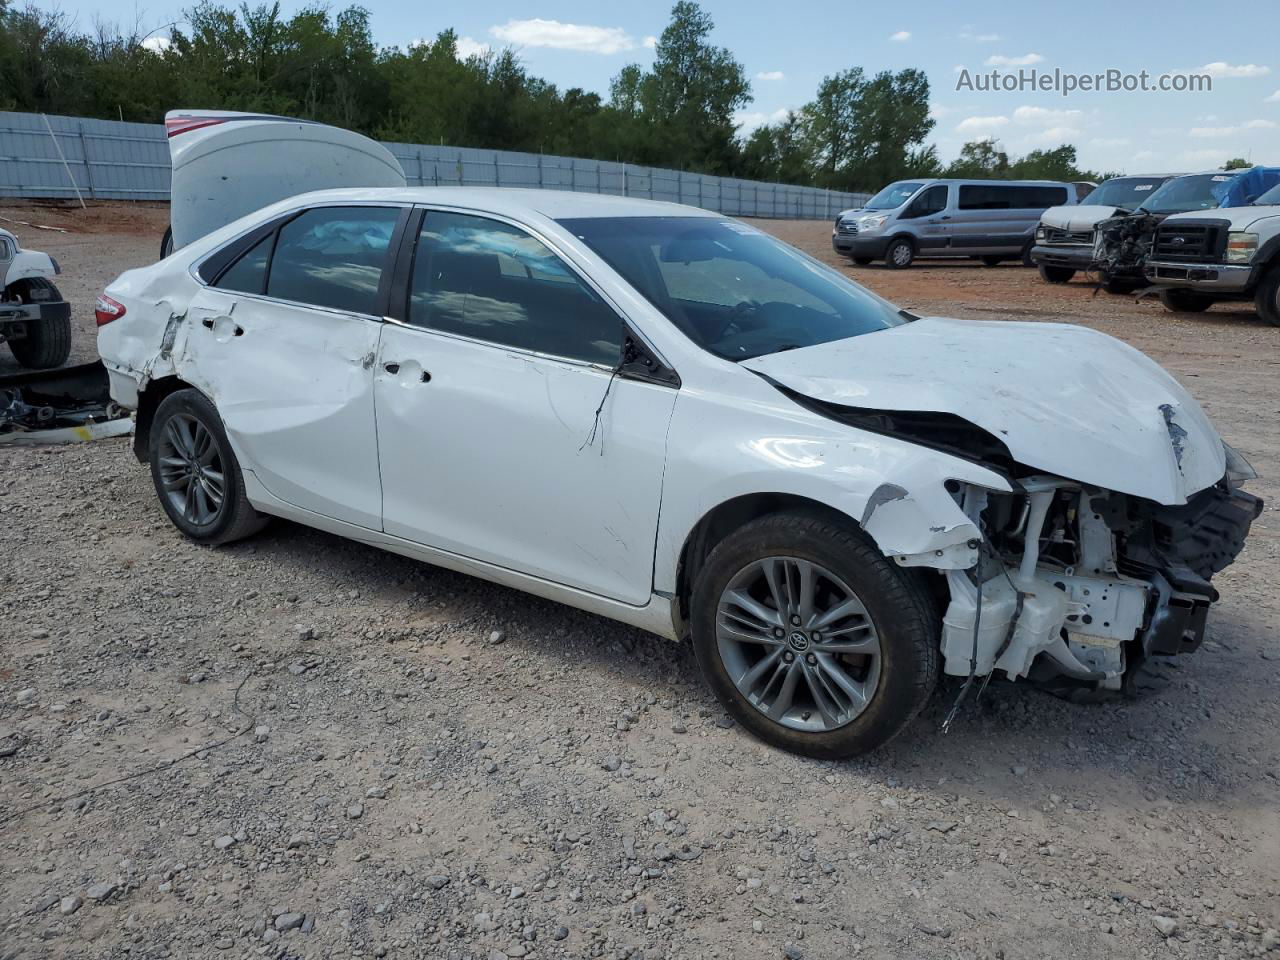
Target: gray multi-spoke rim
[
  {"x": 901, "y": 253},
  {"x": 191, "y": 469},
  {"x": 798, "y": 643}
]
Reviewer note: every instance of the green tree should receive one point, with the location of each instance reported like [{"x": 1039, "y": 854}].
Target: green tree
[{"x": 1237, "y": 163}]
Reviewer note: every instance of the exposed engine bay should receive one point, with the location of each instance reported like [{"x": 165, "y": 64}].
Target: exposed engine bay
[
  {"x": 1080, "y": 585},
  {"x": 1122, "y": 244}
]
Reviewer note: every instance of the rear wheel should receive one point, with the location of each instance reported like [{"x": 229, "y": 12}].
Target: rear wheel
[
  {"x": 166, "y": 243},
  {"x": 1267, "y": 297},
  {"x": 196, "y": 474},
  {"x": 1026, "y": 256},
  {"x": 862, "y": 261},
  {"x": 991, "y": 261},
  {"x": 899, "y": 254},
  {"x": 1185, "y": 301},
  {"x": 811, "y": 639},
  {"x": 47, "y": 342},
  {"x": 1055, "y": 274}
]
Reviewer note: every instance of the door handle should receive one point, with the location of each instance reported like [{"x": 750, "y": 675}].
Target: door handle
[
  {"x": 209, "y": 322},
  {"x": 393, "y": 368}
]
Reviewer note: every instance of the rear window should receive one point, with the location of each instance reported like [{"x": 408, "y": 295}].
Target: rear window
[
  {"x": 1001, "y": 196},
  {"x": 249, "y": 273}
]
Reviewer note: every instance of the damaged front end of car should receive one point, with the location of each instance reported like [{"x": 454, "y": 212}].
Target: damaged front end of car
[{"x": 1121, "y": 246}]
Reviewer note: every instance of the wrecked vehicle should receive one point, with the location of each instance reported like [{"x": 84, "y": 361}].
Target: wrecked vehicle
[
  {"x": 1064, "y": 235},
  {"x": 1123, "y": 243},
  {"x": 69, "y": 405},
  {"x": 1197, "y": 260},
  {"x": 34, "y": 319},
  {"x": 671, "y": 419}
]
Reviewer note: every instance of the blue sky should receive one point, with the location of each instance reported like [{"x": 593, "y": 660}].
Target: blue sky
[{"x": 788, "y": 48}]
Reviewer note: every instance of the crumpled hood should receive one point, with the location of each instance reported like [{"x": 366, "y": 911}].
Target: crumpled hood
[
  {"x": 1076, "y": 219},
  {"x": 1064, "y": 399}
]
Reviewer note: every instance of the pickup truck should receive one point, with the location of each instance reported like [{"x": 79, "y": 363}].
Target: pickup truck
[
  {"x": 1198, "y": 259},
  {"x": 34, "y": 319}
]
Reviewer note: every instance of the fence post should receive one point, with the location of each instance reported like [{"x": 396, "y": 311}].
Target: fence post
[
  {"x": 84, "y": 150},
  {"x": 625, "y": 186},
  {"x": 497, "y": 170},
  {"x": 540, "y": 171},
  {"x": 421, "y": 178}
]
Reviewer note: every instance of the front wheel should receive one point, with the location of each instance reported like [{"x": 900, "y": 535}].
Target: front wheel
[
  {"x": 1267, "y": 297},
  {"x": 196, "y": 474},
  {"x": 811, "y": 639},
  {"x": 899, "y": 254},
  {"x": 1050, "y": 274},
  {"x": 1185, "y": 301},
  {"x": 1119, "y": 285},
  {"x": 47, "y": 342}
]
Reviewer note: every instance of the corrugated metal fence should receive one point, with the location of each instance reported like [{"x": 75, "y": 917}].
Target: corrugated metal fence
[{"x": 108, "y": 159}]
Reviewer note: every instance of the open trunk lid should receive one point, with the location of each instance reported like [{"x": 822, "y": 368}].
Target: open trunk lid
[{"x": 227, "y": 165}]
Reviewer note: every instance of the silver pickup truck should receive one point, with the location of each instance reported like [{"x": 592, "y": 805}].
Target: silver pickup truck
[{"x": 1232, "y": 253}]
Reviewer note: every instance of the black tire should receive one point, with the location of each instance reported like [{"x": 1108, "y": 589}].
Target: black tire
[
  {"x": 1026, "y": 256},
  {"x": 47, "y": 343},
  {"x": 896, "y": 601},
  {"x": 1051, "y": 274},
  {"x": 234, "y": 517},
  {"x": 899, "y": 254},
  {"x": 1185, "y": 301},
  {"x": 1119, "y": 285},
  {"x": 166, "y": 243},
  {"x": 991, "y": 261},
  {"x": 1267, "y": 297},
  {"x": 862, "y": 261}
]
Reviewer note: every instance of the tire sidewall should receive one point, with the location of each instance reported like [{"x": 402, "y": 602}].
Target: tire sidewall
[
  {"x": 888, "y": 254},
  {"x": 1267, "y": 299},
  {"x": 896, "y": 699},
  {"x": 195, "y": 404}
]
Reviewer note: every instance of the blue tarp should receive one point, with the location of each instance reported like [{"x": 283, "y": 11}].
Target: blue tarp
[{"x": 1246, "y": 186}]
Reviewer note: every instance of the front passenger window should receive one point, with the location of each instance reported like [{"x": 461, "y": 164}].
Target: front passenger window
[
  {"x": 933, "y": 200},
  {"x": 491, "y": 281}
]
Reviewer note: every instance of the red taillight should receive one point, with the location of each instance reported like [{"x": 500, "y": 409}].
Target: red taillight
[{"x": 106, "y": 310}]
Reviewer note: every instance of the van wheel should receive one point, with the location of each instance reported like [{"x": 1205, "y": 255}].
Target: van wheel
[
  {"x": 1055, "y": 274},
  {"x": 195, "y": 472},
  {"x": 1119, "y": 285},
  {"x": 1267, "y": 297},
  {"x": 899, "y": 254},
  {"x": 811, "y": 639},
  {"x": 1185, "y": 301},
  {"x": 862, "y": 261},
  {"x": 1026, "y": 256},
  {"x": 48, "y": 342},
  {"x": 991, "y": 261}
]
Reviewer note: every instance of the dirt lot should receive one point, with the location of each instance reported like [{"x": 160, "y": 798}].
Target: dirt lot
[{"x": 431, "y": 766}]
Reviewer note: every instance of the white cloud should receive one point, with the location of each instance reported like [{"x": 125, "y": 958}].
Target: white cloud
[
  {"x": 937, "y": 112},
  {"x": 1274, "y": 98},
  {"x": 1143, "y": 155},
  {"x": 1043, "y": 116},
  {"x": 981, "y": 124},
  {"x": 966, "y": 33},
  {"x": 1218, "y": 133},
  {"x": 771, "y": 75},
  {"x": 1109, "y": 142},
  {"x": 470, "y": 47},
  {"x": 902, "y": 36},
  {"x": 156, "y": 44},
  {"x": 649, "y": 42},
  {"x": 1026, "y": 60},
  {"x": 749, "y": 120},
  {"x": 1052, "y": 137},
  {"x": 580, "y": 37},
  {"x": 1209, "y": 157},
  {"x": 1221, "y": 69}
]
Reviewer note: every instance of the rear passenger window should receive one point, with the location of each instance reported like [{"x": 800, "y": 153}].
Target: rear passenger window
[
  {"x": 485, "y": 279},
  {"x": 999, "y": 196},
  {"x": 333, "y": 257},
  {"x": 249, "y": 273}
]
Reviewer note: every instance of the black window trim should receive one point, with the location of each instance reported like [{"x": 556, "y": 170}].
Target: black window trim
[
  {"x": 397, "y": 312},
  {"x": 225, "y": 256}
]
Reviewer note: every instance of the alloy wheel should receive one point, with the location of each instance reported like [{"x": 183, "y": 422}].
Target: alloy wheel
[
  {"x": 191, "y": 469},
  {"x": 798, "y": 643}
]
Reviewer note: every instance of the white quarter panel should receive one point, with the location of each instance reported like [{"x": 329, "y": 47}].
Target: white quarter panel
[
  {"x": 294, "y": 388},
  {"x": 490, "y": 459}
]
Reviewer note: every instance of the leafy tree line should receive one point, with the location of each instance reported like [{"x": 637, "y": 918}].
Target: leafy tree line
[{"x": 858, "y": 133}]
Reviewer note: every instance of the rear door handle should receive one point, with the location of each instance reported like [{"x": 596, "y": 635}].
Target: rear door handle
[
  {"x": 209, "y": 322},
  {"x": 393, "y": 368}
]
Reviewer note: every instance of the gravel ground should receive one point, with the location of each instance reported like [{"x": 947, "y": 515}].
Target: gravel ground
[{"x": 337, "y": 752}]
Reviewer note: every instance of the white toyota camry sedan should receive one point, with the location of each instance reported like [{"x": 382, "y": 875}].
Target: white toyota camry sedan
[{"x": 671, "y": 419}]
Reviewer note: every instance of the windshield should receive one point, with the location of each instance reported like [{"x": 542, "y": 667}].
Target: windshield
[
  {"x": 1269, "y": 199},
  {"x": 1127, "y": 193},
  {"x": 1183, "y": 194},
  {"x": 731, "y": 289},
  {"x": 893, "y": 196}
]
